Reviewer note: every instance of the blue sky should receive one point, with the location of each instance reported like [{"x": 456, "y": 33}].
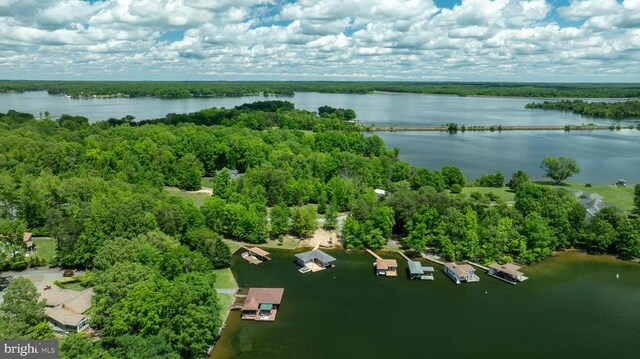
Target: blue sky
[{"x": 412, "y": 40}]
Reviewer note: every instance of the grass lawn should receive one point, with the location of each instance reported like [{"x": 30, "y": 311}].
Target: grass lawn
[
  {"x": 288, "y": 243},
  {"x": 225, "y": 279},
  {"x": 207, "y": 182},
  {"x": 233, "y": 245},
  {"x": 503, "y": 193},
  {"x": 74, "y": 286},
  {"x": 45, "y": 247},
  {"x": 197, "y": 198},
  {"x": 226, "y": 301},
  {"x": 618, "y": 196}
]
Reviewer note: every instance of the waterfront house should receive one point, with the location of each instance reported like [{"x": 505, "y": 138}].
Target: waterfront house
[
  {"x": 65, "y": 309},
  {"x": 315, "y": 260},
  {"x": 508, "y": 272},
  {"x": 386, "y": 267},
  {"x": 417, "y": 271},
  {"x": 461, "y": 272},
  {"x": 592, "y": 202},
  {"x": 262, "y": 304},
  {"x": 255, "y": 255}
]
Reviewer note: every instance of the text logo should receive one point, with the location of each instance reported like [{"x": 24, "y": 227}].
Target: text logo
[{"x": 29, "y": 349}]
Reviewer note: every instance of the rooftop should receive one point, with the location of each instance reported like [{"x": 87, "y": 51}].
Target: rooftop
[
  {"x": 258, "y": 296},
  {"x": 315, "y": 254},
  {"x": 64, "y": 316},
  {"x": 509, "y": 268},
  {"x": 460, "y": 269},
  {"x": 417, "y": 268},
  {"x": 259, "y": 251},
  {"x": 386, "y": 263},
  {"x": 26, "y": 236}
]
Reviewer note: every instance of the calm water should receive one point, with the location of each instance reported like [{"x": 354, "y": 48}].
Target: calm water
[
  {"x": 603, "y": 156},
  {"x": 572, "y": 307},
  {"x": 378, "y": 108}
]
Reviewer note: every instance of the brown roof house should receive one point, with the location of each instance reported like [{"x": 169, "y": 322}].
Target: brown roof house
[
  {"x": 461, "y": 272},
  {"x": 262, "y": 304},
  {"x": 507, "y": 272},
  {"x": 65, "y": 309},
  {"x": 386, "y": 267}
]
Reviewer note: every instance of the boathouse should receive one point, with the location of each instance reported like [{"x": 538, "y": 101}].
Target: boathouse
[
  {"x": 262, "y": 304},
  {"x": 417, "y": 271},
  {"x": 461, "y": 272},
  {"x": 508, "y": 272},
  {"x": 255, "y": 255},
  {"x": 386, "y": 267},
  {"x": 315, "y": 260}
]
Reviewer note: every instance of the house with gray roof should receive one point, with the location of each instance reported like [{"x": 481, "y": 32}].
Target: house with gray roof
[{"x": 315, "y": 257}]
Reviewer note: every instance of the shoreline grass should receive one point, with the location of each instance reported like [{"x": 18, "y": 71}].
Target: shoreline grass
[{"x": 225, "y": 279}]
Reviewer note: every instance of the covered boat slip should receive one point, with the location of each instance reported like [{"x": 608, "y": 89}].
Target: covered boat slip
[
  {"x": 418, "y": 272},
  {"x": 262, "y": 304},
  {"x": 507, "y": 272},
  {"x": 386, "y": 267},
  {"x": 255, "y": 255},
  {"x": 461, "y": 273},
  {"x": 315, "y": 260}
]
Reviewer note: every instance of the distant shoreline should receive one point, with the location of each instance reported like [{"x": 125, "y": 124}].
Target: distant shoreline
[{"x": 493, "y": 128}]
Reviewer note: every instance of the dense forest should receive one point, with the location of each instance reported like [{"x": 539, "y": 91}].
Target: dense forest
[
  {"x": 80, "y": 89},
  {"x": 618, "y": 110},
  {"x": 99, "y": 190}
]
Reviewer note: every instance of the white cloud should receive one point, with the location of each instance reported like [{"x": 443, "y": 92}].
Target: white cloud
[{"x": 323, "y": 39}]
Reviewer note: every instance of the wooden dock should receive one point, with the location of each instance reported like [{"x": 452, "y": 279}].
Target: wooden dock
[
  {"x": 372, "y": 253},
  {"x": 431, "y": 258},
  {"x": 404, "y": 256},
  {"x": 478, "y": 265}
]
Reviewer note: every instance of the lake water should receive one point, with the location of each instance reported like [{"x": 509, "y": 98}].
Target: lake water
[
  {"x": 379, "y": 108},
  {"x": 572, "y": 307},
  {"x": 604, "y": 156}
]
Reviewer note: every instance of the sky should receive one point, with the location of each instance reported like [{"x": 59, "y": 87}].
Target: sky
[{"x": 376, "y": 40}]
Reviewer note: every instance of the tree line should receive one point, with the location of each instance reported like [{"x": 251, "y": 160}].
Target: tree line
[
  {"x": 617, "y": 110},
  {"x": 166, "y": 89}
]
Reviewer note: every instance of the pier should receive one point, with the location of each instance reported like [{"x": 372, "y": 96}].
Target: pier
[
  {"x": 431, "y": 258},
  {"x": 404, "y": 256},
  {"x": 478, "y": 265},
  {"x": 372, "y": 253}
]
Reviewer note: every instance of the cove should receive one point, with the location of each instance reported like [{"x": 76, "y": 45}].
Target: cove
[
  {"x": 603, "y": 156},
  {"x": 572, "y": 307}
]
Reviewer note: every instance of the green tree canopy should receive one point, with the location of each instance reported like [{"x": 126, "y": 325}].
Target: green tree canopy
[{"x": 559, "y": 169}]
